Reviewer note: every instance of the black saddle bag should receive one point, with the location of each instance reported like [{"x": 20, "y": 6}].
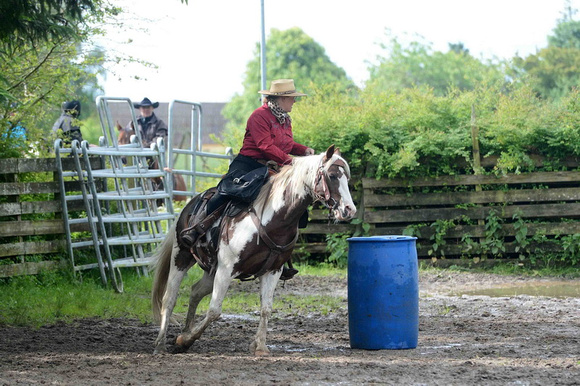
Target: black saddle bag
[{"x": 243, "y": 186}]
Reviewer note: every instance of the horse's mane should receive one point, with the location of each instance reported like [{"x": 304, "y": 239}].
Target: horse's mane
[{"x": 299, "y": 178}]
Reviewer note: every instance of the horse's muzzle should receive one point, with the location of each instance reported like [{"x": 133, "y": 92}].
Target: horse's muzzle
[{"x": 345, "y": 213}]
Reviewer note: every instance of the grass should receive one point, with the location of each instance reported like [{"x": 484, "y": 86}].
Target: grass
[{"x": 50, "y": 297}]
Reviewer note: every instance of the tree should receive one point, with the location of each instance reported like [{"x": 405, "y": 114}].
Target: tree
[
  {"x": 567, "y": 31},
  {"x": 566, "y": 35},
  {"x": 289, "y": 54},
  {"x": 27, "y": 21},
  {"x": 45, "y": 60},
  {"x": 417, "y": 65},
  {"x": 555, "y": 70},
  {"x": 458, "y": 48}
]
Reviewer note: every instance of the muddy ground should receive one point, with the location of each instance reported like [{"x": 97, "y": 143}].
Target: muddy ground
[{"x": 463, "y": 340}]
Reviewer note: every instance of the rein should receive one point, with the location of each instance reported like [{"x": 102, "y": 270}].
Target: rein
[
  {"x": 322, "y": 194},
  {"x": 266, "y": 239},
  {"x": 275, "y": 249}
]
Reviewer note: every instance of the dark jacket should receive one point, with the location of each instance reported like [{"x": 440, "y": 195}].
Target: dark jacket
[
  {"x": 150, "y": 129},
  {"x": 68, "y": 122}
]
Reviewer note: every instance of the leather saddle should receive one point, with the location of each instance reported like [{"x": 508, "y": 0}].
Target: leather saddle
[{"x": 208, "y": 226}]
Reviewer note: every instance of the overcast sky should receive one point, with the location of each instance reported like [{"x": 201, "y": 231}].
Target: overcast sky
[{"x": 202, "y": 49}]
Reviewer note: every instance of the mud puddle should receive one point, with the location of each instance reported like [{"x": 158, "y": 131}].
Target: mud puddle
[{"x": 552, "y": 289}]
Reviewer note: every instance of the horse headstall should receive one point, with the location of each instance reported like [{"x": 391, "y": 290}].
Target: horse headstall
[{"x": 322, "y": 192}]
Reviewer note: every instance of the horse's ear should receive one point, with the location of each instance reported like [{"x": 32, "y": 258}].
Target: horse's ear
[
  {"x": 329, "y": 153},
  {"x": 119, "y": 127},
  {"x": 337, "y": 151}
]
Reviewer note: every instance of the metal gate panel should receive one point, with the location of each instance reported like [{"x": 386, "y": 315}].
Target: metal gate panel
[
  {"x": 192, "y": 150},
  {"x": 125, "y": 219}
]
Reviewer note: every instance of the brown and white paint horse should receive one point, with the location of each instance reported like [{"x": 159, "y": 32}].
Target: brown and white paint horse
[
  {"x": 124, "y": 138},
  {"x": 244, "y": 249}
]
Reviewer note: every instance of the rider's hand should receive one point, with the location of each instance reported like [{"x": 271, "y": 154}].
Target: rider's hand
[{"x": 309, "y": 151}]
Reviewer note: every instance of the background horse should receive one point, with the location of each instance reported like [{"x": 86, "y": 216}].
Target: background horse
[
  {"x": 124, "y": 138},
  {"x": 257, "y": 241}
]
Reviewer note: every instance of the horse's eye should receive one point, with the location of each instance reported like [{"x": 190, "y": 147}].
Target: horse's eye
[{"x": 333, "y": 177}]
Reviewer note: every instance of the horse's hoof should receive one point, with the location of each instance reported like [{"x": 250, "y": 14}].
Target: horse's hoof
[
  {"x": 177, "y": 349},
  {"x": 160, "y": 349},
  {"x": 180, "y": 345},
  {"x": 262, "y": 353},
  {"x": 180, "y": 341}
]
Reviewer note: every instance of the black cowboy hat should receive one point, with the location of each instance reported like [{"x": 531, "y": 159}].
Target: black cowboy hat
[
  {"x": 72, "y": 107},
  {"x": 146, "y": 102}
]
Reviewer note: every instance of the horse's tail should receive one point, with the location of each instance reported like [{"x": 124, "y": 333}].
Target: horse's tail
[{"x": 161, "y": 264}]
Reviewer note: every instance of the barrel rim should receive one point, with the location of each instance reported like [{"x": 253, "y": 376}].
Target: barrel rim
[{"x": 382, "y": 238}]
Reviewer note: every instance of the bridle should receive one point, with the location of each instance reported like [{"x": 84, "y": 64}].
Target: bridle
[
  {"x": 321, "y": 190},
  {"x": 321, "y": 193}
]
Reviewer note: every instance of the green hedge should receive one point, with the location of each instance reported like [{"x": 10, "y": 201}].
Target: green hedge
[{"x": 414, "y": 133}]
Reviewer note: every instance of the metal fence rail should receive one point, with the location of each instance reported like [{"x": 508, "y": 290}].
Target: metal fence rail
[
  {"x": 127, "y": 219},
  {"x": 192, "y": 150}
]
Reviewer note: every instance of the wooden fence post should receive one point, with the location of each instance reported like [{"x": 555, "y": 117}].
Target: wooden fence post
[{"x": 476, "y": 158}]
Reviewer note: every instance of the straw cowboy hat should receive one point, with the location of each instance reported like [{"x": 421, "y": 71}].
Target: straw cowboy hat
[
  {"x": 282, "y": 87},
  {"x": 145, "y": 103}
]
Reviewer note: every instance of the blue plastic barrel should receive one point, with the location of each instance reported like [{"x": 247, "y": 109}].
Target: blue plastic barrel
[{"x": 383, "y": 292}]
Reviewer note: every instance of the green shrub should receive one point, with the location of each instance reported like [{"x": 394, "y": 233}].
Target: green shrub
[{"x": 415, "y": 133}]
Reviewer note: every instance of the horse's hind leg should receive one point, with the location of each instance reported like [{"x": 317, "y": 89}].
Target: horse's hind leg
[
  {"x": 267, "y": 287},
  {"x": 198, "y": 291},
  {"x": 221, "y": 284},
  {"x": 169, "y": 299}
]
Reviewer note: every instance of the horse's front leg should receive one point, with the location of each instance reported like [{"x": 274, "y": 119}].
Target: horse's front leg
[
  {"x": 267, "y": 287},
  {"x": 221, "y": 284}
]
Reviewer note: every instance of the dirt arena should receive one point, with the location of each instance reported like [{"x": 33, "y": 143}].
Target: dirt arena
[{"x": 463, "y": 340}]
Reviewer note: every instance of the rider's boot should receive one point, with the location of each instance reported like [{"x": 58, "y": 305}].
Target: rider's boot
[
  {"x": 288, "y": 272},
  {"x": 189, "y": 238},
  {"x": 203, "y": 222}
]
